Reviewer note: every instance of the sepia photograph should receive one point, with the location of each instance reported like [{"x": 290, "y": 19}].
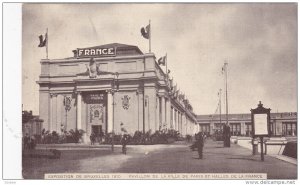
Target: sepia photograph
[{"x": 159, "y": 91}]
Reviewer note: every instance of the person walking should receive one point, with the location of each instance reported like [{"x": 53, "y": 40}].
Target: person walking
[
  {"x": 124, "y": 142},
  {"x": 124, "y": 139},
  {"x": 200, "y": 144},
  {"x": 26, "y": 140},
  {"x": 101, "y": 135},
  {"x": 92, "y": 138}
]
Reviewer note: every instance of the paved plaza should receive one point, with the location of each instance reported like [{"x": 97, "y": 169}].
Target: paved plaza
[{"x": 173, "y": 158}]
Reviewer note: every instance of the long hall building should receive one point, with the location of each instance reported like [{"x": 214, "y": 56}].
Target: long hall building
[
  {"x": 281, "y": 124},
  {"x": 104, "y": 88}
]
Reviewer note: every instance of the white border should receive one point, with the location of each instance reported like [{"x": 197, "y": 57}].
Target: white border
[
  {"x": 12, "y": 91},
  {"x": 11, "y": 97}
]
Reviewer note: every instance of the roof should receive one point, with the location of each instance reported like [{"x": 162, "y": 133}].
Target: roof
[
  {"x": 245, "y": 116},
  {"x": 112, "y": 45},
  {"x": 121, "y": 49}
]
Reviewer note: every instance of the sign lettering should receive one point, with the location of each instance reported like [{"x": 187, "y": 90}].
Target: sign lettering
[
  {"x": 92, "y": 98},
  {"x": 96, "y": 52}
]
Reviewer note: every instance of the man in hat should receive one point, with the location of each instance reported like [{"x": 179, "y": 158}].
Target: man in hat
[{"x": 200, "y": 144}]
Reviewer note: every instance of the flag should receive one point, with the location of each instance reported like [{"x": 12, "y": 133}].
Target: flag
[
  {"x": 168, "y": 77},
  {"x": 171, "y": 83},
  {"x": 162, "y": 61},
  {"x": 175, "y": 88},
  {"x": 176, "y": 93},
  {"x": 181, "y": 96},
  {"x": 146, "y": 32},
  {"x": 43, "y": 42}
]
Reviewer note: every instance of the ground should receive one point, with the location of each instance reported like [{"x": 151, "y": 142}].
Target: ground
[{"x": 172, "y": 158}]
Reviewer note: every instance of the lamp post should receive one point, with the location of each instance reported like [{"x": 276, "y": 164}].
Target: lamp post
[
  {"x": 226, "y": 130},
  {"x": 113, "y": 90},
  {"x": 220, "y": 106},
  {"x": 67, "y": 104}
]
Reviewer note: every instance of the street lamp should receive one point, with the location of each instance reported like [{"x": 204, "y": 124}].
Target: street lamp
[
  {"x": 67, "y": 104},
  {"x": 147, "y": 103},
  {"x": 115, "y": 88}
]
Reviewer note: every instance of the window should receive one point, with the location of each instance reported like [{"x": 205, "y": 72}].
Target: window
[
  {"x": 248, "y": 129},
  {"x": 205, "y": 128},
  {"x": 272, "y": 129},
  {"x": 289, "y": 128},
  {"x": 218, "y": 127},
  {"x": 235, "y": 129}
]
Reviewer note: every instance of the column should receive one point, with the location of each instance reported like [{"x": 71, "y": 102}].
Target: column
[
  {"x": 183, "y": 124},
  {"x": 175, "y": 120},
  {"x": 168, "y": 111},
  {"x": 157, "y": 122},
  {"x": 50, "y": 127},
  {"x": 180, "y": 123},
  {"x": 163, "y": 111},
  {"x": 279, "y": 127},
  {"x": 78, "y": 111},
  {"x": 109, "y": 111},
  {"x": 138, "y": 110},
  {"x": 243, "y": 129},
  {"x": 187, "y": 126},
  {"x": 172, "y": 118},
  {"x": 54, "y": 113},
  {"x": 178, "y": 120}
]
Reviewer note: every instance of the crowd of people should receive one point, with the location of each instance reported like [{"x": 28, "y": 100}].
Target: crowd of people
[
  {"x": 96, "y": 137},
  {"x": 29, "y": 142}
]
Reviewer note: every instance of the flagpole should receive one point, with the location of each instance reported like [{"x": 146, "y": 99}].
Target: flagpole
[
  {"x": 167, "y": 64},
  {"x": 47, "y": 43},
  {"x": 149, "y": 36},
  {"x": 220, "y": 106},
  {"x": 226, "y": 91}
]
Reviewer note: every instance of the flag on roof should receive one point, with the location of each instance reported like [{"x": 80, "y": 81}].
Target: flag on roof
[
  {"x": 146, "y": 31},
  {"x": 43, "y": 41}
]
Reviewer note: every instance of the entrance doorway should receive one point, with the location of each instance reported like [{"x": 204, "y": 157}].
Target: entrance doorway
[
  {"x": 97, "y": 133},
  {"x": 96, "y": 129}
]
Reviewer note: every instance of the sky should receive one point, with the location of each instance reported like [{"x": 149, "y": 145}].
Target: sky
[{"x": 257, "y": 40}]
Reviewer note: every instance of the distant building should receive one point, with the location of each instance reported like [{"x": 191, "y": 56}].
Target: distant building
[
  {"x": 31, "y": 124},
  {"x": 282, "y": 124},
  {"x": 103, "y": 86}
]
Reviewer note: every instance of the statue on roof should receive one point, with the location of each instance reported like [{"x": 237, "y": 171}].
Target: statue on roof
[{"x": 93, "y": 69}]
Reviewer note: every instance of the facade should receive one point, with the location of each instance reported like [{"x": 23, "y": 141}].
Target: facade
[
  {"x": 101, "y": 87},
  {"x": 282, "y": 124}
]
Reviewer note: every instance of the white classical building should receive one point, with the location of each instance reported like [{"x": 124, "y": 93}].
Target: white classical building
[{"x": 103, "y": 86}]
